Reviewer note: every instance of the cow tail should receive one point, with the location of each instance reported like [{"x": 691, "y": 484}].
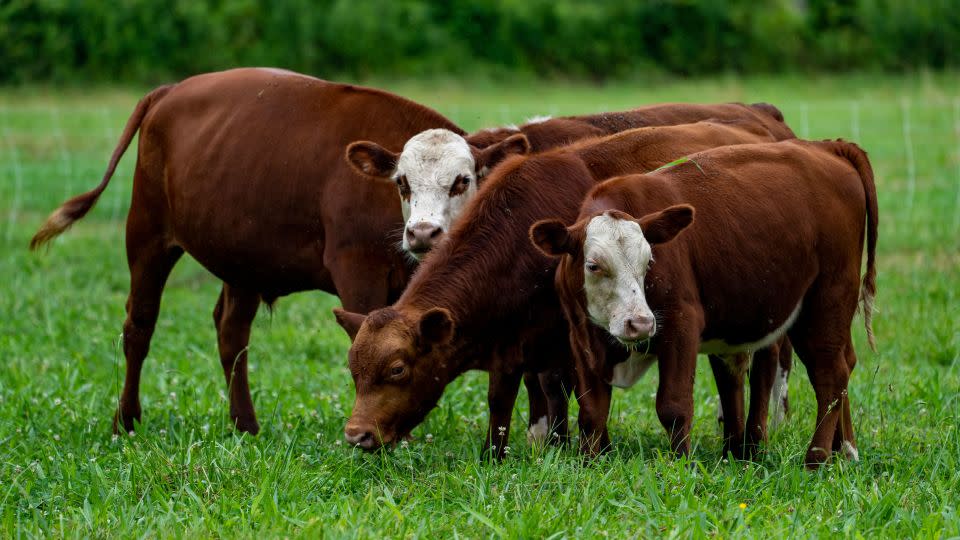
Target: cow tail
[
  {"x": 75, "y": 208},
  {"x": 868, "y": 289}
]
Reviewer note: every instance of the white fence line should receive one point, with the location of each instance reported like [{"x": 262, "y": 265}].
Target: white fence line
[
  {"x": 17, "y": 177},
  {"x": 956, "y": 132},
  {"x": 911, "y": 163}
]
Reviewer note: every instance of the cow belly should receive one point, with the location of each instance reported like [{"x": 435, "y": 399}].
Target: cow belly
[{"x": 721, "y": 347}]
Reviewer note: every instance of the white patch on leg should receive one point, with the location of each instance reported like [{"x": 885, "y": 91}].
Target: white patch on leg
[
  {"x": 539, "y": 433},
  {"x": 850, "y": 451},
  {"x": 778, "y": 398},
  {"x": 719, "y": 412},
  {"x": 627, "y": 373}
]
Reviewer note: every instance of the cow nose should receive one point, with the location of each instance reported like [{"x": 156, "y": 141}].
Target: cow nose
[
  {"x": 423, "y": 236},
  {"x": 358, "y": 436},
  {"x": 641, "y": 326}
]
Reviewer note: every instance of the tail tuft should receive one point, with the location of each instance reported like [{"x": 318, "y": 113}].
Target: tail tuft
[
  {"x": 69, "y": 212},
  {"x": 62, "y": 218}
]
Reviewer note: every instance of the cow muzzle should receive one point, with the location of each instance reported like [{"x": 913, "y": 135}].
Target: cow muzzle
[
  {"x": 362, "y": 436},
  {"x": 637, "y": 328},
  {"x": 422, "y": 236}
]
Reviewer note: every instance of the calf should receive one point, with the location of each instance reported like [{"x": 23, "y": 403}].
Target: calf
[
  {"x": 485, "y": 293},
  {"x": 244, "y": 170},
  {"x": 440, "y": 170},
  {"x": 775, "y": 249}
]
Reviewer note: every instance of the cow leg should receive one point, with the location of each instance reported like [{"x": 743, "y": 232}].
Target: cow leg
[
  {"x": 558, "y": 385},
  {"x": 150, "y": 260},
  {"x": 728, "y": 372},
  {"x": 844, "y": 441},
  {"x": 822, "y": 340},
  {"x": 538, "y": 428},
  {"x": 593, "y": 395},
  {"x": 233, "y": 318},
  {"x": 501, "y": 397},
  {"x": 778, "y": 399},
  {"x": 826, "y": 362},
  {"x": 677, "y": 366},
  {"x": 549, "y": 413},
  {"x": 763, "y": 373}
]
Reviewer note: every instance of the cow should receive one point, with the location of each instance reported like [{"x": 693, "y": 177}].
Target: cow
[
  {"x": 244, "y": 170},
  {"x": 439, "y": 171},
  {"x": 485, "y": 292},
  {"x": 775, "y": 249}
]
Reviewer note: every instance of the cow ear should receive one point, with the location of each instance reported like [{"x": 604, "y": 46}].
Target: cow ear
[
  {"x": 371, "y": 159},
  {"x": 350, "y": 322},
  {"x": 663, "y": 226},
  {"x": 436, "y": 326},
  {"x": 552, "y": 237},
  {"x": 489, "y": 157}
]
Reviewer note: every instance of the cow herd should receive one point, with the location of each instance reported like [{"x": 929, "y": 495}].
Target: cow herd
[{"x": 568, "y": 253}]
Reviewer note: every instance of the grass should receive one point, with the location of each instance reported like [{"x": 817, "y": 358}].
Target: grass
[{"x": 185, "y": 473}]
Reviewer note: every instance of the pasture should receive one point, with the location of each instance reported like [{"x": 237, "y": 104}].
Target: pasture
[{"x": 185, "y": 473}]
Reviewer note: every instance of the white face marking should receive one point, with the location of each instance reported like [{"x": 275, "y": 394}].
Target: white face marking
[
  {"x": 432, "y": 161},
  {"x": 616, "y": 258}
]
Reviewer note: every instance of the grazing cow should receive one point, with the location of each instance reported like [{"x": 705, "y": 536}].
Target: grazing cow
[
  {"x": 439, "y": 170},
  {"x": 775, "y": 249},
  {"x": 486, "y": 292},
  {"x": 244, "y": 170}
]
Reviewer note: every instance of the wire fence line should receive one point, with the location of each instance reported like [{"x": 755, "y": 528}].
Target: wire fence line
[{"x": 50, "y": 152}]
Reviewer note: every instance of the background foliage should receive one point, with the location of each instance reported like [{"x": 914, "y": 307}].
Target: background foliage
[{"x": 149, "y": 41}]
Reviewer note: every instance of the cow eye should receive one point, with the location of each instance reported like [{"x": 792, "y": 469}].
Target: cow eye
[
  {"x": 593, "y": 267},
  {"x": 404, "y": 187},
  {"x": 460, "y": 185},
  {"x": 398, "y": 370}
]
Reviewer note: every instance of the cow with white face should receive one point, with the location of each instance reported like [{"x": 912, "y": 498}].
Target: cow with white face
[
  {"x": 617, "y": 255},
  {"x": 437, "y": 173}
]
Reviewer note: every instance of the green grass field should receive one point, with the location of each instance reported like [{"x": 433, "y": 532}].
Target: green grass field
[{"x": 185, "y": 473}]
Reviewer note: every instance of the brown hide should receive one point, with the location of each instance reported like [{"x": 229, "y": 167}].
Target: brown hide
[
  {"x": 776, "y": 225},
  {"x": 244, "y": 170},
  {"x": 560, "y": 131},
  {"x": 497, "y": 288}
]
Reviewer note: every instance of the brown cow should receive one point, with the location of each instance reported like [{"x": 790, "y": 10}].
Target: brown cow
[
  {"x": 244, "y": 170},
  {"x": 484, "y": 293},
  {"x": 776, "y": 248},
  {"x": 439, "y": 170}
]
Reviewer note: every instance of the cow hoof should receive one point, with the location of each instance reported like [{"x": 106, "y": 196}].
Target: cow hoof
[
  {"x": 247, "y": 425},
  {"x": 816, "y": 457},
  {"x": 123, "y": 422}
]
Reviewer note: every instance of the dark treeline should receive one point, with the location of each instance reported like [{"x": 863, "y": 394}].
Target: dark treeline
[{"x": 150, "y": 40}]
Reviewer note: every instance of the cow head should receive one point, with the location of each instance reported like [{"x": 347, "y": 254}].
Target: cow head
[
  {"x": 437, "y": 173},
  {"x": 615, "y": 252},
  {"x": 399, "y": 369}
]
